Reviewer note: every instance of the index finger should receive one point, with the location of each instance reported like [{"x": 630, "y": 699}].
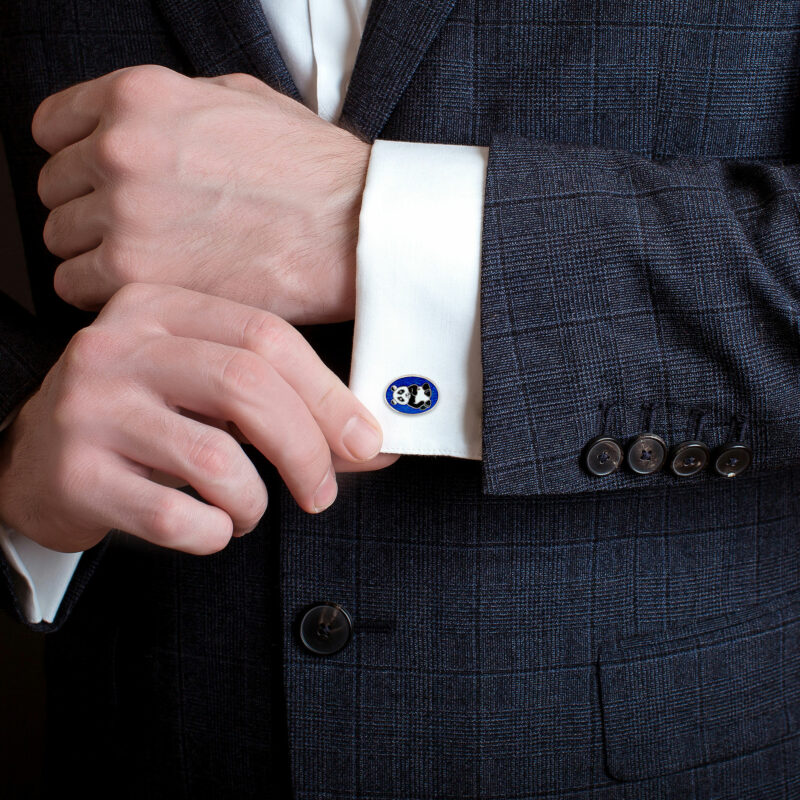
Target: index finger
[
  {"x": 72, "y": 114},
  {"x": 350, "y": 429},
  {"x": 67, "y": 116}
]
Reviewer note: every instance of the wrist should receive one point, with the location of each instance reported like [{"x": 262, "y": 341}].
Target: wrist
[
  {"x": 8, "y": 504},
  {"x": 346, "y": 197}
]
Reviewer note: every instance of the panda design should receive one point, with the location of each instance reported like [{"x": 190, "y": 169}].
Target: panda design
[
  {"x": 400, "y": 395},
  {"x": 415, "y": 396},
  {"x": 411, "y": 395},
  {"x": 420, "y": 396}
]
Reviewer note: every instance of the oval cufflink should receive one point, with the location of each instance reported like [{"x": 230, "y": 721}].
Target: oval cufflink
[{"x": 412, "y": 394}]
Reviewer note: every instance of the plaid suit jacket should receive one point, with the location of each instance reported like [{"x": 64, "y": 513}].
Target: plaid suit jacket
[{"x": 521, "y": 629}]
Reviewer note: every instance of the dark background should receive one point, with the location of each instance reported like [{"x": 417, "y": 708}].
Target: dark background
[{"x": 21, "y": 673}]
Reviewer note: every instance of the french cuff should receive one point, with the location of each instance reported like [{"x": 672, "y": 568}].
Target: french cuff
[
  {"x": 417, "y": 320},
  {"x": 42, "y": 575}
]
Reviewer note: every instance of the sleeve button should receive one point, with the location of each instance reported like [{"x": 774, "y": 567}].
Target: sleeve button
[
  {"x": 603, "y": 455},
  {"x": 732, "y": 459},
  {"x": 646, "y": 454},
  {"x": 689, "y": 458}
]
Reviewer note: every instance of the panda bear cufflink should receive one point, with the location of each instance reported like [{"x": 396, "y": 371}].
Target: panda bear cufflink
[{"x": 412, "y": 394}]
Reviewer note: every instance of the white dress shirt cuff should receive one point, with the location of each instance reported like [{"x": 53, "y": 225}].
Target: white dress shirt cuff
[
  {"x": 42, "y": 575},
  {"x": 418, "y": 293}
]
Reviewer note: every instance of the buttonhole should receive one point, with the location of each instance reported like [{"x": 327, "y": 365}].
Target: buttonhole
[{"x": 375, "y": 625}]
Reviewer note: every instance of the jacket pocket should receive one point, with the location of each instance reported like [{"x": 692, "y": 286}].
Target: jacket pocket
[{"x": 724, "y": 687}]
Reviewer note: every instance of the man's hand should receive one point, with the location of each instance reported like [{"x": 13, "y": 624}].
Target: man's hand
[
  {"x": 148, "y": 388},
  {"x": 220, "y": 185}
]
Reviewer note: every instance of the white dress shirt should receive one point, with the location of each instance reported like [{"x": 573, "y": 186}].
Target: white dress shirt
[{"x": 417, "y": 283}]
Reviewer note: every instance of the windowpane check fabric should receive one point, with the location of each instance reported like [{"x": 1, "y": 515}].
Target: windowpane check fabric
[{"x": 519, "y": 632}]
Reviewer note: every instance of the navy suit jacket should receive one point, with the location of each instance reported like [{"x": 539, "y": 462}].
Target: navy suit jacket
[{"x": 521, "y": 629}]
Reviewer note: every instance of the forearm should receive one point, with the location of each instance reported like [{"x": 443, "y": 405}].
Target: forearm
[{"x": 622, "y": 295}]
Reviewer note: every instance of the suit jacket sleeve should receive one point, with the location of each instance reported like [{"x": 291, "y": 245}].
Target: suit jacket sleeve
[
  {"x": 622, "y": 295},
  {"x": 28, "y": 350}
]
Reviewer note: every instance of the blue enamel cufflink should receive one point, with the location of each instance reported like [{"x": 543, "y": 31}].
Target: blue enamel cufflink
[{"x": 412, "y": 394}]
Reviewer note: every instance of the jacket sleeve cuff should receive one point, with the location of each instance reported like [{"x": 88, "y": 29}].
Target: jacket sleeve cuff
[
  {"x": 417, "y": 293},
  {"x": 41, "y": 575}
]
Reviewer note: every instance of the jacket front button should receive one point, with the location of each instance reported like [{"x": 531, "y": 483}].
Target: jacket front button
[
  {"x": 732, "y": 459},
  {"x": 688, "y": 458},
  {"x": 646, "y": 453},
  {"x": 603, "y": 456},
  {"x": 325, "y": 628}
]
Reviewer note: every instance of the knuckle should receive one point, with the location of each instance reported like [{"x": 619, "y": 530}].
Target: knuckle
[
  {"x": 242, "y": 374},
  {"x": 112, "y": 150},
  {"x": 242, "y": 80},
  {"x": 139, "y": 84},
  {"x": 88, "y": 347},
  {"x": 166, "y": 519},
  {"x": 265, "y": 333},
  {"x": 210, "y": 455}
]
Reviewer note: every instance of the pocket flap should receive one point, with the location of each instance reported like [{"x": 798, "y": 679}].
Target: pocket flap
[{"x": 727, "y": 686}]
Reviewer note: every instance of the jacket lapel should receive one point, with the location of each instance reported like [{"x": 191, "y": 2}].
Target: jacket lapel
[
  {"x": 219, "y": 37},
  {"x": 396, "y": 36}
]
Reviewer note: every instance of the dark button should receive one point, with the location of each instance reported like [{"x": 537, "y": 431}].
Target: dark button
[
  {"x": 732, "y": 459},
  {"x": 646, "y": 453},
  {"x": 689, "y": 458},
  {"x": 325, "y": 628},
  {"x": 603, "y": 455}
]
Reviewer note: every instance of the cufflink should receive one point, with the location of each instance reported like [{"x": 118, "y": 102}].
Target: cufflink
[{"x": 412, "y": 394}]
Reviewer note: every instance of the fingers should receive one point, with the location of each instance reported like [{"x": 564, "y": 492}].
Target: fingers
[
  {"x": 159, "y": 514},
  {"x": 230, "y": 383},
  {"x": 223, "y": 425},
  {"x": 74, "y": 227},
  {"x": 85, "y": 281},
  {"x": 349, "y": 428},
  {"x": 380, "y": 461},
  {"x": 72, "y": 114},
  {"x": 340, "y": 464},
  {"x": 203, "y": 456},
  {"x": 65, "y": 176},
  {"x": 68, "y": 116}
]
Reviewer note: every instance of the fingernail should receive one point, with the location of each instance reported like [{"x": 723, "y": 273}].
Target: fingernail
[
  {"x": 326, "y": 492},
  {"x": 362, "y": 440}
]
